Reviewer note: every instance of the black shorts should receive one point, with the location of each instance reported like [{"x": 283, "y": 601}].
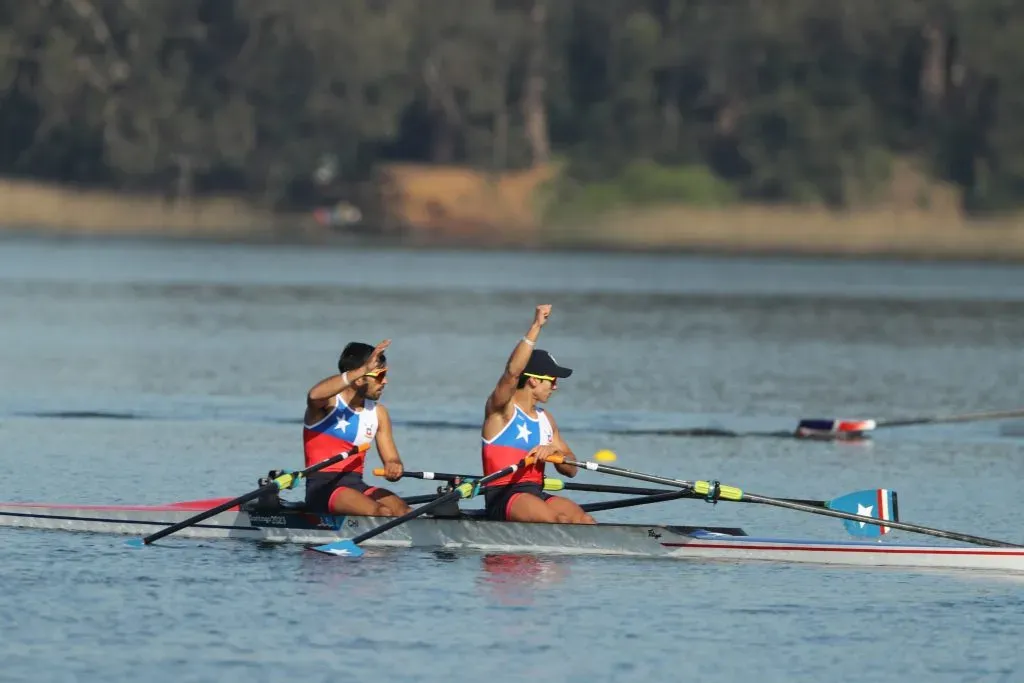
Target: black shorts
[
  {"x": 321, "y": 486},
  {"x": 498, "y": 499}
]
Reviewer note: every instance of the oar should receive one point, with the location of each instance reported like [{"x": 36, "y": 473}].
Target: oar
[
  {"x": 350, "y": 547},
  {"x": 713, "y": 491},
  {"x": 285, "y": 481},
  {"x": 640, "y": 500},
  {"x": 552, "y": 484},
  {"x": 940, "y": 419},
  {"x": 433, "y": 476},
  {"x": 882, "y": 500}
]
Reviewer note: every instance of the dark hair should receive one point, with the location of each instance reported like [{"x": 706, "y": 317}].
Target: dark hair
[
  {"x": 522, "y": 381},
  {"x": 355, "y": 355}
]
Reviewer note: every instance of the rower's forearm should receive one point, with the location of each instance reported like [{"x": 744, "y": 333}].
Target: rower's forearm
[
  {"x": 334, "y": 385},
  {"x": 390, "y": 459},
  {"x": 521, "y": 353},
  {"x": 566, "y": 468}
]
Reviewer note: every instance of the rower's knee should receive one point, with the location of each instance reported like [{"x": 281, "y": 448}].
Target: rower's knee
[
  {"x": 562, "y": 518},
  {"x": 384, "y": 511}
]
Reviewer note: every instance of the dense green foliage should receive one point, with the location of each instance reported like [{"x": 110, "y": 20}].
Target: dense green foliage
[{"x": 780, "y": 100}]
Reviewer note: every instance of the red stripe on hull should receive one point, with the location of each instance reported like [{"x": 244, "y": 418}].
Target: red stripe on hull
[{"x": 938, "y": 550}]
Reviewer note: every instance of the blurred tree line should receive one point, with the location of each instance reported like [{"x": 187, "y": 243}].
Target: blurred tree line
[{"x": 784, "y": 100}]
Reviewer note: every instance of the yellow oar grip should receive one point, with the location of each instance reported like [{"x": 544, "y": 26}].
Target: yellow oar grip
[
  {"x": 556, "y": 459},
  {"x": 551, "y": 484},
  {"x": 724, "y": 492},
  {"x": 378, "y": 472},
  {"x": 285, "y": 481}
]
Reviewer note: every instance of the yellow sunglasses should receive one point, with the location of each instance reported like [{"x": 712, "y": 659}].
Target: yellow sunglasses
[{"x": 547, "y": 377}]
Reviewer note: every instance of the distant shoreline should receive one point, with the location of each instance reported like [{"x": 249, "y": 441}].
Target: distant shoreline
[
  {"x": 35, "y": 209},
  {"x": 343, "y": 241}
]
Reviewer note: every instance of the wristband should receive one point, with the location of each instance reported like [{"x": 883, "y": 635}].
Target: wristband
[{"x": 531, "y": 343}]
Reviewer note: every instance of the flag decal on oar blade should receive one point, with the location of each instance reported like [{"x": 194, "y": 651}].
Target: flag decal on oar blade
[{"x": 877, "y": 503}]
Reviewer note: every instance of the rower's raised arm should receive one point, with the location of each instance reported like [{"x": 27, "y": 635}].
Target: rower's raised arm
[
  {"x": 320, "y": 397},
  {"x": 505, "y": 389}
]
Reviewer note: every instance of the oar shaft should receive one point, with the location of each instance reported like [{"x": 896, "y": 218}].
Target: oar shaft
[
  {"x": 600, "y": 488},
  {"x": 419, "y": 500},
  {"x": 939, "y": 419},
  {"x": 630, "y": 474},
  {"x": 641, "y": 491},
  {"x": 412, "y": 514},
  {"x": 208, "y": 513},
  {"x": 434, "y": 476},
  {"x": 252, "y": 495},
  {"x": 631, "y": 502}
]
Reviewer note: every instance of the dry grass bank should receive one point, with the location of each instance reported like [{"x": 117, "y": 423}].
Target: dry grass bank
[
  {"x": 459, "y": 203},
  {"x": 39, "y": 206},
  {"x": 913, "y": 217},
  {"x": 454, "y": 205},
  {"x": 759, "y": 229}
]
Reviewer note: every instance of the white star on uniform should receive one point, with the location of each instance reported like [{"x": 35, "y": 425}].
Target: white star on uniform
[
  {"x": 342, "y": 424},
  {"x": 524, "y": 431},
  {"x": 865, "y": 511}
]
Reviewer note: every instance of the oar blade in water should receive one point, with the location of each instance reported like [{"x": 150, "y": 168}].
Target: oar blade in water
[{"x": 343, "y": 548}]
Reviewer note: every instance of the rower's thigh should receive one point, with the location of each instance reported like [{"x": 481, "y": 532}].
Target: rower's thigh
[
  {"x": 570, "y": 509},
  {"x": 526, "y": 507},
  {"x": 394, "y": 504},
  {"x": 345, "y": 501}
]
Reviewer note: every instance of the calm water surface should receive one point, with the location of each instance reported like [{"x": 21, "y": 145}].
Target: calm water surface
[{"x": 147, "y": 372}]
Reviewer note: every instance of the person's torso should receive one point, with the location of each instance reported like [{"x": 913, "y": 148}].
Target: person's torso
[
  {"x": 340, "y": 430},
  {"x": 518, "y": 437}
]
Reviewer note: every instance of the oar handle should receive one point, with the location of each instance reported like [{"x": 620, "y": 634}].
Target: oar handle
[{"x": 436, "y": 476}]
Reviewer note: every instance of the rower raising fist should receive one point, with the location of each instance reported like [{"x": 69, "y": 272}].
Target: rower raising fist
[{"x": 541, "y": 315}]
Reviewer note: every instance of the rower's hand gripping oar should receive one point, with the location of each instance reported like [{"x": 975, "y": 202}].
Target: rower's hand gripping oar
[
  {"x": 285, "y": 481},
  {"x": 713, "y": 492},
  {"x": 350, "y": 547}
]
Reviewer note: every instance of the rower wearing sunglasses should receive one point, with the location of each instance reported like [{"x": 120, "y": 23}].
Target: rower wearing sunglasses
[
  {"x": 516, "y": 426},
  {"x": 342, "y": 411}
]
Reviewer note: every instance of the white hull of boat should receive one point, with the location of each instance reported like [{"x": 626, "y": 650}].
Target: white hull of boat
[{"x": 475, "y": 533}]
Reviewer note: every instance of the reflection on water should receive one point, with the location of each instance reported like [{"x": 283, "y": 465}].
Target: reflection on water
[{"x": 514, "y": 579}]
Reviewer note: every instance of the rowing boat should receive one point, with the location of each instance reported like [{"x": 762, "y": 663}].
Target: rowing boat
[{"x": 468, "y": 529}]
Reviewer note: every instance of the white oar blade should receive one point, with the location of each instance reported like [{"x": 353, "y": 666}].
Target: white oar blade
[
  {"x": 344, "y": 548},
  {"x": 877, "y": 503}
]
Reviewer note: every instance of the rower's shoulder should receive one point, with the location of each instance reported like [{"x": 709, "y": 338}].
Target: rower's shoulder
[{"x": 316, "y": 415}]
